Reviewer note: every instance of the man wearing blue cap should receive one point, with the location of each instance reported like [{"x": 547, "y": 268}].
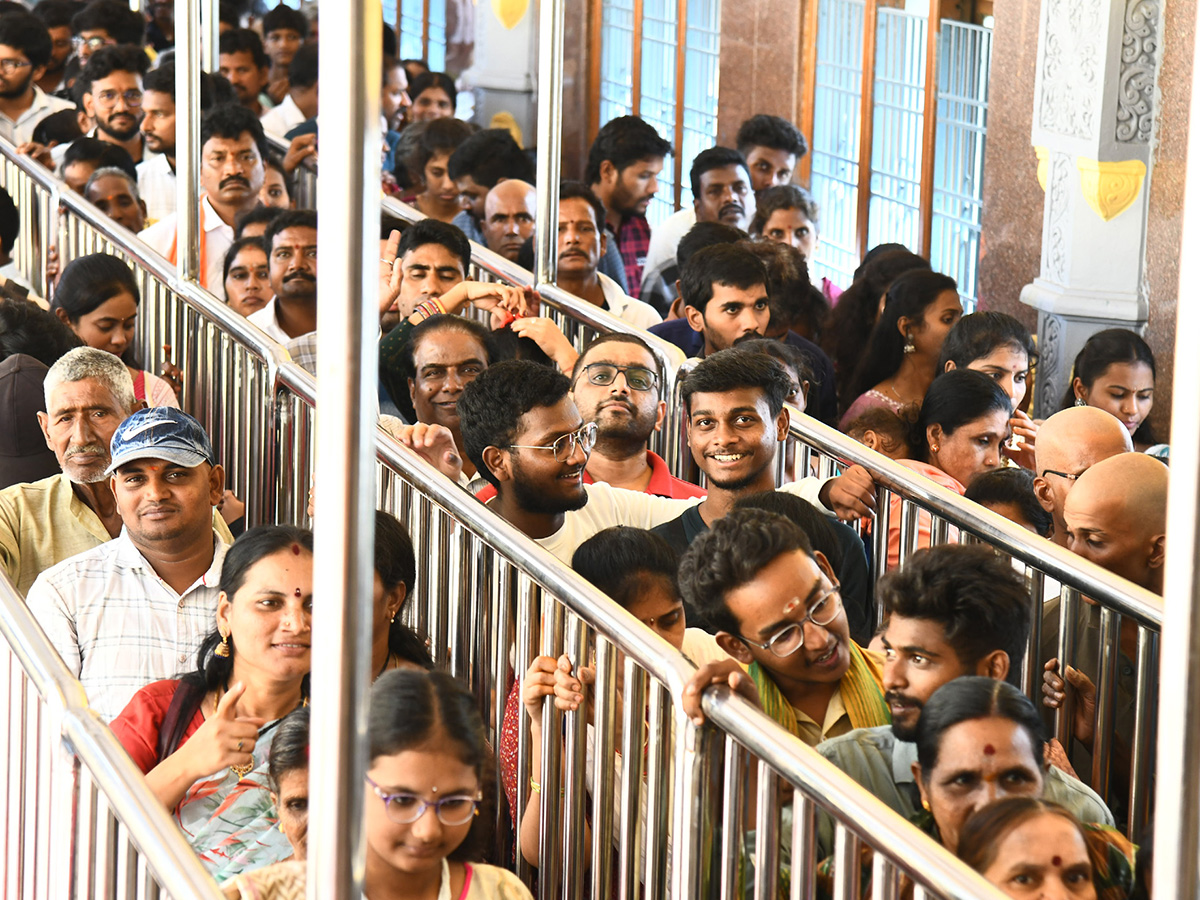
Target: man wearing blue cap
[{"x": 135, "y": 610}]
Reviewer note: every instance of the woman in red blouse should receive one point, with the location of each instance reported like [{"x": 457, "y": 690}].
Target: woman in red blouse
[{"x": 203, "y": 740}]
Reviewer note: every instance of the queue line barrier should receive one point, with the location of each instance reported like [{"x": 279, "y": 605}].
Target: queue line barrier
[
  {"x": 481, "y": 596},
  {"x": 1100, "y": 623}
]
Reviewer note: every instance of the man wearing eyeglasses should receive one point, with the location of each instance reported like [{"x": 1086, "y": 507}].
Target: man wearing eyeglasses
[
  {"x": 24, "y": 52},
  {"x": 617, "y": 384},
  {"x": 111, "y": 87},
  {"x": 775, "y": 606},
  {"x": 1070, "y": 442}
]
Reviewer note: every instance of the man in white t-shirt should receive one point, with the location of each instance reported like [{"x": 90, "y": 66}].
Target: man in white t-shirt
[{"x": 524, "y": 434}]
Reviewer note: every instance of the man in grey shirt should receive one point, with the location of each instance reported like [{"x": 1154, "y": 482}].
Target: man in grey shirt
[{"x": 952, "y": 610}]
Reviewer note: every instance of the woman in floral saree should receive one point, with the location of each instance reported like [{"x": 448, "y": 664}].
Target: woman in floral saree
[{"x": 203, "y": 740}]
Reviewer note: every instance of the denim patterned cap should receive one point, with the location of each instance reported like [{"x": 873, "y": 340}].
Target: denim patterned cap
[{"x": 162, "y": 432}]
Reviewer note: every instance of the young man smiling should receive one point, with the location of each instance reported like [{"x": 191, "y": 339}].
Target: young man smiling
[
  {"x": 952, "y": 610},
  {"x": 774, "y": 604},
  {"x": 135, "y": 609}
]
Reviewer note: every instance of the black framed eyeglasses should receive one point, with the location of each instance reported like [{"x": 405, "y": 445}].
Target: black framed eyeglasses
[
  {"x": 405, "y": 808},
  {"x": 790, "y": 638},
  {"x": 1066, "y": 475},
  {"x": 639, "y": 378},
  {"x": 8, "y": 66},
  {"x": 564, "y": 447}
]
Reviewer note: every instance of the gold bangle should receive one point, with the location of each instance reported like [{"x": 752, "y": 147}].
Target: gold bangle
[{"x": 534, "y": 786}]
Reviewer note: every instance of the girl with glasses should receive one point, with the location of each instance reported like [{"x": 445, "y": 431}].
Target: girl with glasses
[{"x": 424, "y": 811}]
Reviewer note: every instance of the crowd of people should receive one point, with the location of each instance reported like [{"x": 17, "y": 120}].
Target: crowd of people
[{"x": 192, "y": 634}]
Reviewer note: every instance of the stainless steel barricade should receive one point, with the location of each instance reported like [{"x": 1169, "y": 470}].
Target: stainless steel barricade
[
  {"x": 1083, "y": 615},
  {"x": 679, "y": 790},
  {"x": 668, "y": 813},
  {"x": 78, "y": 818}
]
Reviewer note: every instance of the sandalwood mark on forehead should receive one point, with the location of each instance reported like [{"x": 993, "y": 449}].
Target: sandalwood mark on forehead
[{"x": 989, "y": 750}]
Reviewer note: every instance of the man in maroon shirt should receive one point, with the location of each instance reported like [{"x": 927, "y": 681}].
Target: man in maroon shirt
[{"x": 623, "y": 166}]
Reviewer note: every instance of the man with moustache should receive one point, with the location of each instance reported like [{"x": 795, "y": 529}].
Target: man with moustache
[
  {"x": 24, "y": 52},
  {"x": 156, "y": 174},
  {"x": 246, "y": 64},
  {"x": 232, "y": 148},
  {"x": 509, "y": 213},
  {"x": 622, "y": 168},
  {"x": 56, "y": 16},
  {"x": 617, "y": 383},
  {"x": 582, "y": 244},
  {"x": 951, "y": 610},
  {"x": 88, "y": 394},
  {"x": 291, "y": 241},
  {"x": 135, "y": 610},
  {"x": 721, "y": 192}
]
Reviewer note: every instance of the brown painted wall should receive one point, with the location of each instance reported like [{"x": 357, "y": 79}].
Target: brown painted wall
[
  {"x": 1012, "y": 197},
  {"x": 761, "y": 70}
]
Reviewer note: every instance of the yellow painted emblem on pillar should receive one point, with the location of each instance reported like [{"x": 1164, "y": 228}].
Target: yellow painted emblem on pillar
[
  {"x": 509, "y": 12},
  {"x": 1043, "y": 169},
  {"x": 1110, "y": 187}
]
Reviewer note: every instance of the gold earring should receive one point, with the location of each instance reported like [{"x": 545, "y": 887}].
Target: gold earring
[
  {"x": 223, "y": 647},
  {"x": 925, "y": 805},
  {"x": 934, "y": 448}
]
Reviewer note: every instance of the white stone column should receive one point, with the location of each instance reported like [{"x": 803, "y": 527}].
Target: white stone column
[{"x": 1093, "y": 125}]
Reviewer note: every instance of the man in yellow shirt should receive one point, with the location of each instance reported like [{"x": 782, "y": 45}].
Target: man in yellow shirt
[
  {"x": 774, "y": 604},
  {"x": 88, "y": 394}
]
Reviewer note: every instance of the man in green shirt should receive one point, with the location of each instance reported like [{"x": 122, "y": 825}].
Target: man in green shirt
[{"x": 952, "y": 610}]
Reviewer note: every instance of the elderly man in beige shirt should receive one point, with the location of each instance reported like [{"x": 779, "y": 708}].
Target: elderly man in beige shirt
[{"x": 88, "y": 394}]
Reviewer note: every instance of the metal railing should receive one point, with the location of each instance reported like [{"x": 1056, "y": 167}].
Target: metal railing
[
  {"x": 481, "y": 598},
  {"x": 78, "y": 818},
  {"x": 485, "y": 578},
  {"x": 1088, "y": 597}
]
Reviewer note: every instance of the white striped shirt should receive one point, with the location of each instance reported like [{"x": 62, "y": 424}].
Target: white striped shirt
[{"x": 117, "y": 625}]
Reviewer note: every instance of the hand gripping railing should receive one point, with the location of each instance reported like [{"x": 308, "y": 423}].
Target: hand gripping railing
[
  {"x": 1126, "y": 619},
  {"x": 481, "y": 597},
  {"x": 78, "y": 818}
]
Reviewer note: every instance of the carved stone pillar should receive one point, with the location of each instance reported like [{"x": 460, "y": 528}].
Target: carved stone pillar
[{"x": 1093, "y": 123}]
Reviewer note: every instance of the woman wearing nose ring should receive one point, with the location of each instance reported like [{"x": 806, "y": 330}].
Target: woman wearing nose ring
[{"x": 202, "y": 740}]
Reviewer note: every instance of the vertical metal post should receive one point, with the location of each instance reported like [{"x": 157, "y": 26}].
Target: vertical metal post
[
  {"x": 210, "y": 21},
  {"x": 348, "y": 197},
  {"x": 1177, "y": 813},
  {"x": 549, "y": 137},
  {"x": 187, "y": 138}
]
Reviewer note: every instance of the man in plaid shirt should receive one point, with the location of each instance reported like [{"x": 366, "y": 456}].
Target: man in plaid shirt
[{"x": 622, "y": 169}]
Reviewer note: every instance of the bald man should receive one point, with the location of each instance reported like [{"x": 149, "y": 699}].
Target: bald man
[
  {"x": 1068, "y": 444},
  {"x": 1116, "y": 516},
  {"x": 509, "y": 214}
]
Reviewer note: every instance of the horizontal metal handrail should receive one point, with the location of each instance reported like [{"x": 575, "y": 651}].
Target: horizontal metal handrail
[
  {"x": 799, "y": 764},
  {"x": 1099, "y": 584},
  {"x": 175, "y": 865},
  {"x": 150, "y": 828}
]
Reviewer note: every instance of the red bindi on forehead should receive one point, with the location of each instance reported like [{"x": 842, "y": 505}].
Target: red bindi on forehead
[
  {"x": 989, "y": 750},
  {"x": 1056, "y": 861},
  {"x": 295, "y": 549},
  {"x": 298, "y": 594}
]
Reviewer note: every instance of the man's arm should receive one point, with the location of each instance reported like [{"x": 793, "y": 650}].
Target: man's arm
[
  {"x": 849, "y": 496},
  {"x": 10, "y": 539},
  {"x": 56, "y": 616}
]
